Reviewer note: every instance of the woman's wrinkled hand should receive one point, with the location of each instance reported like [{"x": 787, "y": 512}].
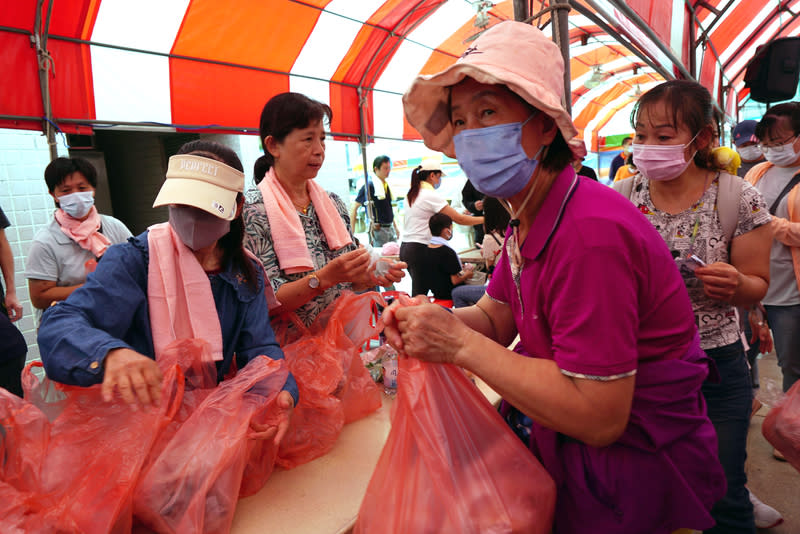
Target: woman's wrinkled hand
[
  {"x": 424, "y": 331},
  {"x": 134, "y": 375},
  {"x": 394, "y": 273},
  {"x": 275, "y": 432},
  {"x": 351, "y": 266},
  {"x": 720, "y": 280}
]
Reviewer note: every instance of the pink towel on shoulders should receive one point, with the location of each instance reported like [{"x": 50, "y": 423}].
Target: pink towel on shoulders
[
  {"x": 288, "y": 237},
  {"x": 179, "y": 294},
  {"x": 85, "y": 233}
]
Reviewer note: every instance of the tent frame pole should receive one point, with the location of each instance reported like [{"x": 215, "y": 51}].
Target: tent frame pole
[
  {"x": 362, "y": 142},
  {"x": 44, "y": 63},
  {"x": 595, "y": 17},
  {"x": 560, "y": 29},
  {"x": 644, "y": 28}
]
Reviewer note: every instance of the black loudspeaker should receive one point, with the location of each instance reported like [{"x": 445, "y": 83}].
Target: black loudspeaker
[{"x": 772, "y": 73}]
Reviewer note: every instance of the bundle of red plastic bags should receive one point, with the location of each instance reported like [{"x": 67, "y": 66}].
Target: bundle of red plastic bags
[
  {"x": 781, "y": 427},
  {"x": 74, "y": 463},
  {"x": 451, "y": 464},
  {"x": 335, "y": 387}
]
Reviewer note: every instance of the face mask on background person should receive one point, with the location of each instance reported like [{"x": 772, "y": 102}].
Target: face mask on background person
[
  {"x": 77, "y": 205},
  {"x": 627, "y": 149},
  {"x": 661, "y": 162},
  {"x": 749, "y": 152},
  {"x": 197, "y": 228},
  {"x": 493, "y": 158},
  {"x": 782, "y": 155}
]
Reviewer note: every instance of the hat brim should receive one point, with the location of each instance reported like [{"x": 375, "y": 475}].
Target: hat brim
[
  {"x": 203, "y": 195},
  {"x": 426, "y": 104}
]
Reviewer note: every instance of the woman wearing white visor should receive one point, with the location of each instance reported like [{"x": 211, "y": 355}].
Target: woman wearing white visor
[{"x": 188, "y": 278}]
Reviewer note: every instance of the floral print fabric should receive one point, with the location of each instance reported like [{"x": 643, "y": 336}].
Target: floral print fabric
[
  {"x": 716, "y": 320},
  {"x": 258, "y": 239}
]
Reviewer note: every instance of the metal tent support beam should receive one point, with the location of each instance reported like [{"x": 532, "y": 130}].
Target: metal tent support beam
[
  {"x": 644, "y": 28},
  {"x": 560, "y": 20},
  {"x": 593, "y": 12},
  {"x": 44, "y": 62},
  {"x": 362, "y": 142},
  {"x": 521, "y": 10}
]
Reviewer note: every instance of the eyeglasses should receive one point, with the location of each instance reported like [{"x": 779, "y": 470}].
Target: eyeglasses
[{"x": 778, "y": 147}]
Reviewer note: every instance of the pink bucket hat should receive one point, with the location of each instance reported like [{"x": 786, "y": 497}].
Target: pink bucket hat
[{"x": 513, "y": 54}]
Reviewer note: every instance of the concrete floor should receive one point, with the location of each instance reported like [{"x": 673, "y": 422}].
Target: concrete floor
[{"x": 775, "y": 482}]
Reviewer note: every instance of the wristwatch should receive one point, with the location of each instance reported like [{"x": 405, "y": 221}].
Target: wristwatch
[{"x": 313, "y": 281}]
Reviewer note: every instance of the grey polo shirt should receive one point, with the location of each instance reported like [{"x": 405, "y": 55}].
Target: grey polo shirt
[{"x": 55, "y": 257}]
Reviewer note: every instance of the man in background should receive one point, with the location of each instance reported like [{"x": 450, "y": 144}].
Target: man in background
[
  {"x": 380, "y": 217},
  {"x": 620, "y": 159},
  {"x": 472, "y": 199},
  {"x": 744, "y": 137}
]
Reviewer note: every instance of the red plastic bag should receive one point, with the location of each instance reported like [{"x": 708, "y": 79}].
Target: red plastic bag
[
  {"x": 450, "y": 464},
  {"x": 194, "y": 482},
  {"x": 335, "y": 387},
  {"x": 88, "y": 457},
  {"x": 781, "y": 427}
]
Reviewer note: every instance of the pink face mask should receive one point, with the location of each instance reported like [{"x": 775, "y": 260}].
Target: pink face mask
[{"x": 661, "y": 162}]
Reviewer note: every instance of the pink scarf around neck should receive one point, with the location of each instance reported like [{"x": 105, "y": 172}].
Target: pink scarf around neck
[
  {"x": 86, "y": 232},
  {"x": 179, "y": 294},
  {"x": 288, "y": 236}
]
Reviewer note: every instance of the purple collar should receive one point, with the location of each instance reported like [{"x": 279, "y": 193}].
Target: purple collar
[{"x": 549, "y": 216}]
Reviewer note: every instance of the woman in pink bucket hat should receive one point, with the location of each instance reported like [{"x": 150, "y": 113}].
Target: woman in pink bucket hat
[{"x": 604, "y": 384}]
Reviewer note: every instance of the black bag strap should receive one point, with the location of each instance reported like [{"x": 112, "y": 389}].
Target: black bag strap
[{"x": 793, "y": 182}]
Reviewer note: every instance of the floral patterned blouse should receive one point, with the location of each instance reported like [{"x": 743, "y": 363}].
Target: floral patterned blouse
[
  {"x": 698, "y": 231},
  {"x": 258, "y": 239}
]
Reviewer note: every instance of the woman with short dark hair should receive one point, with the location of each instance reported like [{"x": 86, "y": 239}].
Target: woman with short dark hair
[{"x": 63, "y": 253}]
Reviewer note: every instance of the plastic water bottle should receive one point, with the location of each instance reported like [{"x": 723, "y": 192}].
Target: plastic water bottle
[{"x": 390, "y": 372}]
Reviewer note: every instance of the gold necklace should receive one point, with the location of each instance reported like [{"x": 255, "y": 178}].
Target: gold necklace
[{"x": 302, "y": 209}]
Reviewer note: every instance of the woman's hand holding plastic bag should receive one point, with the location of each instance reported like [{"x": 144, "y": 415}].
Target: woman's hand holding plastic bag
[
  {"x": 425, "y": 331},
  {"x": 284, "y": 405},
  {"x": 136, "y": 377}
]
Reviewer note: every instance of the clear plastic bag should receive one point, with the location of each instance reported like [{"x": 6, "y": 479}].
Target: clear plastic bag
[
  {"x": 450, "y": 464},
  {"x": 781, "y": 426}
]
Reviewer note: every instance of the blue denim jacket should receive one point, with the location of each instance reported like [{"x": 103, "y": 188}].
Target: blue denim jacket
[{"x": 110, "y": 311}]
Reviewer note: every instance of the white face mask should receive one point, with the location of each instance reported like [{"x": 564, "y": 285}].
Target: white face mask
[
  {"x": 781, "y": 156},
  {"x": 77, "y": 205},
  {"x": 750, "y": 152}
]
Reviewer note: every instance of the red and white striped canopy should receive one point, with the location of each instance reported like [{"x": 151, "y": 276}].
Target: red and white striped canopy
[{"x": 213, "y": 63}]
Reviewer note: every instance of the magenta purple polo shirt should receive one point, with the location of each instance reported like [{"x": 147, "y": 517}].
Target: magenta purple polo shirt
[
  {"x": 600, "y": 289},
  {"x": 599, "y": 293}
]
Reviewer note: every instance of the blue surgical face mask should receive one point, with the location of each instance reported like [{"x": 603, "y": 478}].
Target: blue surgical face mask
[
  {"x": 77, "y": 205},
  {"x": 493, "y": 158}
]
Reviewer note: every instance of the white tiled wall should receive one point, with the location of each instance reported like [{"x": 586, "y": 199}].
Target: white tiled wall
[{"x": 28, "y": 206}]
